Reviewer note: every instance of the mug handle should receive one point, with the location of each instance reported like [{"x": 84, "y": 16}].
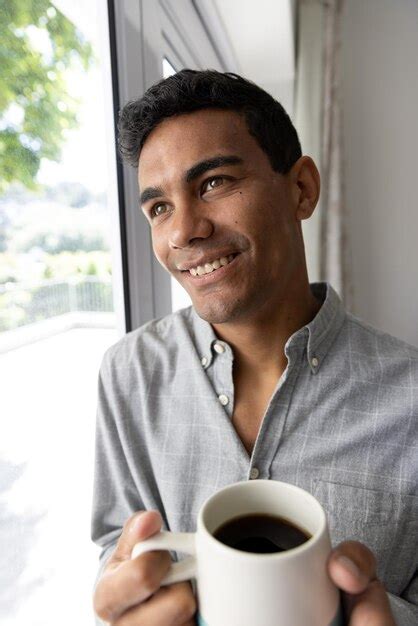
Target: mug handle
[{"x": 165, "y": 540}]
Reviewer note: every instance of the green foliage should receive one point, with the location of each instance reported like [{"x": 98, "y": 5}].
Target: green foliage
[
  {"x": 32, "y": 86},
  {"x": 73, "y": 194},
  {"x": 47, "y": 273},
  {"x": 66, "y": 242},
  {"x": 4, "y": 228},
  {"x": 57, "y": 266},
  {"x": 64, "y": 265},
  {"x": 55, "y": 232},
  {"x": 92, "y": 269},
  {"x": 9, "y": 271}
]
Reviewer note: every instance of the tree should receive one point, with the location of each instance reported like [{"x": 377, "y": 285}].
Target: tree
[
  {"x": 35, "y": 108},
  {"x": 4, "y": 227},
  {"x": 73, "y": 241},
  {"x": 71, "y": 194}
]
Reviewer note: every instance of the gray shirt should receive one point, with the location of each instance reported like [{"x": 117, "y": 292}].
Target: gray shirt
[{"x": 341, "y": 423}]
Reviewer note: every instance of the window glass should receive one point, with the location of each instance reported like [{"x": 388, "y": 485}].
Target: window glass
[
  {"x": 179, "y": 296},
  {"x": 57, "y": 313},
  {"x": 168, "y": 69}
]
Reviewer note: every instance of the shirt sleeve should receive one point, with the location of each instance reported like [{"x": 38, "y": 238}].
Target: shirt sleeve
[
  {"x": 115, "y": 495},
  {"x": 405, "y": 608}
]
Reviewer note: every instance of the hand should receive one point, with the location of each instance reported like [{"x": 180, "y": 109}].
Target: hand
[
  {"x": 128, "y": 592},
  {"x": 352, "y": 567}
]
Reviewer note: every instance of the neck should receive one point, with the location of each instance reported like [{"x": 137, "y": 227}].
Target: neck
[{"x": 258, "y": 342}]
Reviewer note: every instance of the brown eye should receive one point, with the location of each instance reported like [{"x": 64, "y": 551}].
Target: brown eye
[
  {"x": 155, "y": 212},
  {"x": 210, "y": 182}
]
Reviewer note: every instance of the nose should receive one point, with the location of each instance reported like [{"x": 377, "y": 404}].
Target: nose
[{"x": 187, "y": 224}]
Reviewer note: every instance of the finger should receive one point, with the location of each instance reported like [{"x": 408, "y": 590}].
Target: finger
[
  {"x": 371, "y": 607},
  {"x": 138, "y": 527},
  {"x": 129, "y": 583},
  {"x": 173, "y": 605},
  {"x": 352, "y": 566}
]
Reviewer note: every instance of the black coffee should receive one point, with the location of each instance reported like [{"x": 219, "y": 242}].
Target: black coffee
[{"x": 261, "y": 533}]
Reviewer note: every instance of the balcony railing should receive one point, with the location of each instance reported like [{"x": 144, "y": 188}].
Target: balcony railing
[{"x": 22, "y": 304}]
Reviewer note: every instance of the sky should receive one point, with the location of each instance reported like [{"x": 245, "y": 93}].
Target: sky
[
  {"x": 84, "y": 154},
  {"x": 84, "y": 157}
]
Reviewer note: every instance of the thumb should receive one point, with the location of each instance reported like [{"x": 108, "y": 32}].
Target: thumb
[
  {"x": 140, "y": 526},
  {"x": 352, "y": 567}
]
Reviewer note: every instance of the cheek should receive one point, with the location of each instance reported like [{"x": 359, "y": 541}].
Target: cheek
[{"x": 160, "y": 249}]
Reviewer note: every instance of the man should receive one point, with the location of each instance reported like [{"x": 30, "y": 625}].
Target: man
[{"x": 266, "y": 376}]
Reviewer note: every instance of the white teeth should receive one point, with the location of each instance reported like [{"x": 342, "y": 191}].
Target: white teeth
[{"x": 200, "y": 270}]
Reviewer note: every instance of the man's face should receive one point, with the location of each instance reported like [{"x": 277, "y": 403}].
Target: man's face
[{"x": 205, "y": 213}]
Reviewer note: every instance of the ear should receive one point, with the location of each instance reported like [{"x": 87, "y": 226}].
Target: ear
[{"x": 305, "y": 187}]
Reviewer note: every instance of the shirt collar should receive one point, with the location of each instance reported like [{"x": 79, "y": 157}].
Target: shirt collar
[
  {"x": 318, "y": 335},
  {"x": 321, "y": 332},
  {"x": 204, "y": 338}
]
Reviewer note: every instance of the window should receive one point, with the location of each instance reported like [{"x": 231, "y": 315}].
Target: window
[
  {"x": 73, "y": 249},
  {"x": 178, "y": 35},
  {"x": 59, "y": 302},
  {"x": 168, "y": 69}
]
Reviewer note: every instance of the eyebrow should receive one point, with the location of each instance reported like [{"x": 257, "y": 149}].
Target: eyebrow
[{"x": 192, "y": 173}]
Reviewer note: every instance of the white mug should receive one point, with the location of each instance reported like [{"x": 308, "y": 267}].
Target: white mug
[{"x": 237, "y": 588}]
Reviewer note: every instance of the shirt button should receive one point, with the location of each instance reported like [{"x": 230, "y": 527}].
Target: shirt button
[
  {"x": 254, "y": 473},
  {"x": 219, "y": 347},
  {"x": 315, "y": 361},
  {"x": 204, "y": 361},
  {"x": 223, "y": 399}
]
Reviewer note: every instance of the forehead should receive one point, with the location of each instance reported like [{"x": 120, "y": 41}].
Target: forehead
[{"x": 179, "y": 142}]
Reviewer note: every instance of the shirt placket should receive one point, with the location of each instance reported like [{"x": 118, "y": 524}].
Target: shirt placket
[
  {"x": 223, "y": 376},
  {"x": 271, "y": 429}
]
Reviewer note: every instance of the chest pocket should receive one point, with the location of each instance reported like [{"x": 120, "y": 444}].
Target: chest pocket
[{"x": 387, "y": 523}]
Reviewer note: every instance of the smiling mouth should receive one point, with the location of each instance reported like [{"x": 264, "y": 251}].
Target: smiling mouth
[{"x": 210, "y": 268}]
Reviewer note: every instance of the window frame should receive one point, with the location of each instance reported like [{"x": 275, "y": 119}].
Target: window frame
[{"x": 190, "y": 34}]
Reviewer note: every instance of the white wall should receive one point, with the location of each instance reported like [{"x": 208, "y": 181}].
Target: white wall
[
  {"x": 261, "y": 35},
  {"x": 380, "y": 102}
]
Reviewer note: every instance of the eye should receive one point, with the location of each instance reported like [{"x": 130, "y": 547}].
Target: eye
[
  {"x": 211, "y": 180},
  {"x": 155, "y": 210}
]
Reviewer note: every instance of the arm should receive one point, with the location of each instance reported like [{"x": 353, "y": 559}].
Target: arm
[
  {"x": 123, "y": 584},
  {"x": 115, "y": 496}
]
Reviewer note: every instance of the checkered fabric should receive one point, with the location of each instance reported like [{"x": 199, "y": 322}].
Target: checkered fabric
[{"x": 341, "y": 423}]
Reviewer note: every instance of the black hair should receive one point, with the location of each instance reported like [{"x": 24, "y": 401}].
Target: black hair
[{"x": 191, "y": 90}]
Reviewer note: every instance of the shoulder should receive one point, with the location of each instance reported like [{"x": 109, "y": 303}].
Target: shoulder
[
  {"x": 369, "y": 340},
  {"x": 155, "y": 339},
  {"x": 374, "y": 356}
]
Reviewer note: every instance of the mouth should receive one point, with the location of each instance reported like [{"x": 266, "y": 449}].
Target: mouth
[{"x": 212, "y": 272}]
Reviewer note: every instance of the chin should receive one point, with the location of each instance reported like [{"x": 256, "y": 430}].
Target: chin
[{"x": 219, "y": 312}]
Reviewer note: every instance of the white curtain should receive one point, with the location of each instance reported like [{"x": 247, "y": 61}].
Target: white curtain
[{"x": 318, "y": 119}]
